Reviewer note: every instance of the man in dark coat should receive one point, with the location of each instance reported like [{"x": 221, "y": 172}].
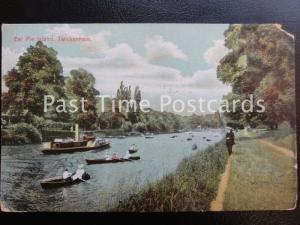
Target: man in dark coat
[{"x": 230, "y": 141}]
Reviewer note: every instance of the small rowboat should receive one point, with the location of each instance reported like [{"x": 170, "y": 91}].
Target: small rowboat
[
  {"x": 55, "y": 182},
  {"x": 189, "y": 139},
  {"x": 133, "y": 150},
  {"x": 150, "y": 136},
  {"x": 103, "y": 161},
  {"x": 74, "y": 149},
  {"x": 174, "y": 136}
]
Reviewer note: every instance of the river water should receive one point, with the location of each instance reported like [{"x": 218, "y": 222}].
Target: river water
[{"x": 23, "y": 166}]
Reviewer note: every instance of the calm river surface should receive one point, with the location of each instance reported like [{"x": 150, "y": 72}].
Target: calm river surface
[{"x": 23, "y": 166}]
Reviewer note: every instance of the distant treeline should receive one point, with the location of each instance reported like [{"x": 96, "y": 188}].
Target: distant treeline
[{"x": 39, "y": 72}]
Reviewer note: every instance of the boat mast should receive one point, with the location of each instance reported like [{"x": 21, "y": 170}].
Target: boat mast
[{"x": 76, "y": 132}]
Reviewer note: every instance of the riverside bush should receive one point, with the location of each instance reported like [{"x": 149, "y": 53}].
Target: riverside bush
[{"x": 20, "y": 133}]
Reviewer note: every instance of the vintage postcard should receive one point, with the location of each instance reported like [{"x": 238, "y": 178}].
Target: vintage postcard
[{"x": 148, "y": 117}]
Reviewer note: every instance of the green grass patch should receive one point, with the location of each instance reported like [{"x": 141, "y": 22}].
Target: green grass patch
[
  {"x": 282, "y": 137},
  {"x": 190, "y": 188},
  {"x": 261, "y": 178}
]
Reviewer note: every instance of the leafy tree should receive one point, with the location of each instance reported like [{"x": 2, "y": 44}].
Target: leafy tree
[
  {"x": 124, "y": 93},
  {"x": 80, "y": 85},
  {"x": 137, "y": 98},
  {"x": 38, "y": 72},
  {"x": 260, "y": 62}
]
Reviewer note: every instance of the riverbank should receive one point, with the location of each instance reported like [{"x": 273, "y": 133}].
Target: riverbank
[
  {"x": 263, "y": 175},
  {"x": 191, "y": 187}
]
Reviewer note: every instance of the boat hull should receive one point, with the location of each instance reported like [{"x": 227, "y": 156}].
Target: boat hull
[
  {"x": 56, "y": 182},
  {"x": 132, "y": 151},
  {"x": 104, "y": 161},
  {"x": 74, "y": 149}
]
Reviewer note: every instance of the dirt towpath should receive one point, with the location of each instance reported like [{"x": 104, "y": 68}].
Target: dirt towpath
[{"x": 217, "y": 204}]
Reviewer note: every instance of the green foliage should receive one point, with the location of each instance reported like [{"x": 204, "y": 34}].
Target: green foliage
[
  {"x": 139, "y": 126},
  {"x": 124, "y": 93},
  {"x": 108, "y": 120},
  {"x": 260, "y": 62},
  {"x": 51, "y": 134},
  {"x": 38, "y": 73},
  {"x": 21, "y": 133},
  {"x": 126, "y": 126},
  {"x": 155, "y": 121},
  {"x": 41, "y": 123},
  {"x": 207, "y": 120},
  {"x": 190, "y": 188},
  {"x": 80, "y": 84}
]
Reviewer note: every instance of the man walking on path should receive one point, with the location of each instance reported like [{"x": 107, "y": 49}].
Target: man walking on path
[{"x": 230, "y": 141}]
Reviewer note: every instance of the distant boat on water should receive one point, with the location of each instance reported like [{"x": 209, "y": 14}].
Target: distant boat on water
[
  {"x": 121, "y": 137},
  {"x": 149, "y": 136},
  {"x": 133, "y": 149}
]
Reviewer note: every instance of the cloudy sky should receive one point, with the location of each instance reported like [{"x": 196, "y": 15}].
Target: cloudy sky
[{"x": 179, "y": 60}]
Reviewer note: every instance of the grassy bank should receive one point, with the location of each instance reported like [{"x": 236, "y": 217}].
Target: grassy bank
[
  {"x": 282, "y": 137},
  {"x": 190, "y": 188},
  {"x": 262, "y": 178}
]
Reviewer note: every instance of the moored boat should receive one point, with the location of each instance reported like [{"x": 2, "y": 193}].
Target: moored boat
[{"x": 103, "y": 161}]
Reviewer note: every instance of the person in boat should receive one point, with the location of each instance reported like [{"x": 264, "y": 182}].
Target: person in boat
[
  {"x": 66, "y": 175},
  {"x": 133, "y": 147},
  {"x": 107, "y": 156},
  {"x": 79, "y": 173},
  {"x": 114, "y": 156},
  {"x": 128, "y": 155},
  {"x": 230, "y": 141}
]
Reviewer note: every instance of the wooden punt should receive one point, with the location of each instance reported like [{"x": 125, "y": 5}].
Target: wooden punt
[
  {"x": 58, "y": 181},
  {"x": 103, "y": 161}
]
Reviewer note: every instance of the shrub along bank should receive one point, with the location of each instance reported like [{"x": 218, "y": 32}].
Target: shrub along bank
[{"x": 20, "y": 133}]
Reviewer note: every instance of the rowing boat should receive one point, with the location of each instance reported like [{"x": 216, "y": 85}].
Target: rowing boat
[
  {"x": 103, "y": 161},
  {"x": 58, "y": 181},
  {"x": 132, "y": 151}
]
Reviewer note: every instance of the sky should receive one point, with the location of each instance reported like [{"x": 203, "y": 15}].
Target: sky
[{"x": 178, "y": 60}]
